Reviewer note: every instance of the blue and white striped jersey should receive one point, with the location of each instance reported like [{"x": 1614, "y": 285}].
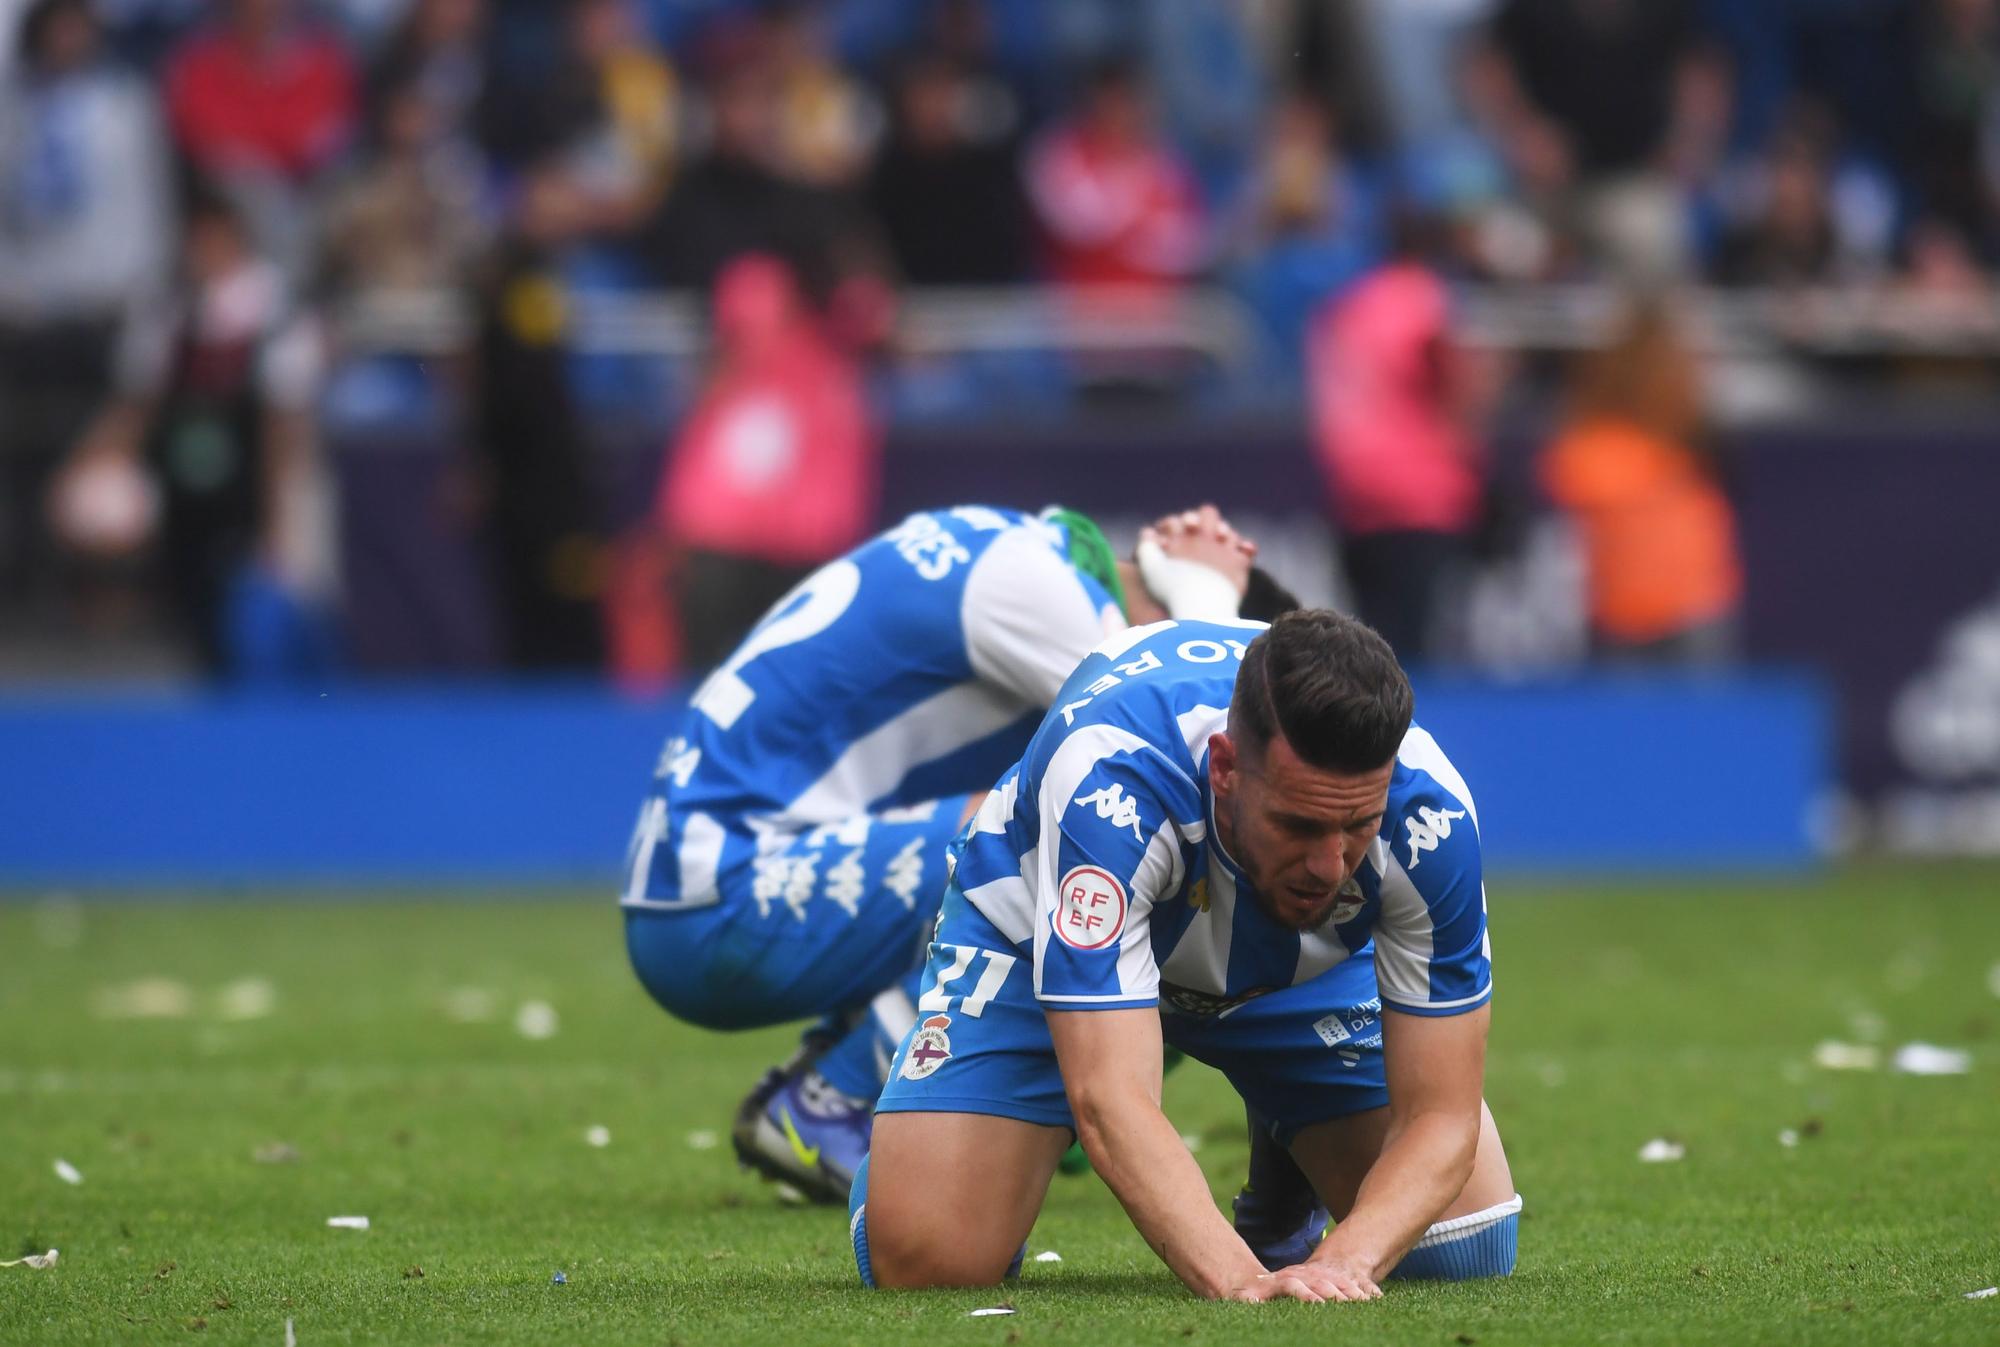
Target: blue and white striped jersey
[
  {"x": 1098, "y": 858},
  {"x": 912, "y": 669}
]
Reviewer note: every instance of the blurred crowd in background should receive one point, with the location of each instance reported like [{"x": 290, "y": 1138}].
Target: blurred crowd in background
[{"x": 198, "y": 197}]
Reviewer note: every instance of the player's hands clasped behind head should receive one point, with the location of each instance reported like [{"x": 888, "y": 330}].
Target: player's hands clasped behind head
[{"x": 1204, "y": 536}]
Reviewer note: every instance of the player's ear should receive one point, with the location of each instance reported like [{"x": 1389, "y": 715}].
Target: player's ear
[{"x": 1221, "y": 765}]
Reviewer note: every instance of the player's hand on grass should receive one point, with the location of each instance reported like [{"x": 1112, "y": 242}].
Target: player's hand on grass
[
  {"x": 1334, "y": 1279},
  {"x": 1274, "y": 1286},
  {"x": 1203, "y": 536}
]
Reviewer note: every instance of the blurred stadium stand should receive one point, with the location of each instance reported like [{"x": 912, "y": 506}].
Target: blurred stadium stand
[{"x": 1815, "y": 189}]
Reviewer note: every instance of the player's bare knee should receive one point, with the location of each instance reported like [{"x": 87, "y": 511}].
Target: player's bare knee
[{"x": 905, "y": 1257}]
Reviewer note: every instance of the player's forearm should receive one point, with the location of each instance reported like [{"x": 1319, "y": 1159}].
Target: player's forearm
[
  {"x": 1420, "y": 1172},
  {"x": 1143, "y": 1161}
]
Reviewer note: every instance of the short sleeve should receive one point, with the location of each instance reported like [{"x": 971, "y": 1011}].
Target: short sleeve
[
  {"x": 1029, "y": 618},
  {"x": 1110, "y": 850},
  {"x": 1432, "y": 954}
]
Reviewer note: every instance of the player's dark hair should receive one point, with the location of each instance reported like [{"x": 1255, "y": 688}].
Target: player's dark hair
[
  {"x": 1265, "y": 600},
  {"x": 1329, "y": 685}
]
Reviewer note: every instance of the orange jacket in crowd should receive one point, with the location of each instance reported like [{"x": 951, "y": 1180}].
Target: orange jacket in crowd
[{"x": 1658, "y": 534}]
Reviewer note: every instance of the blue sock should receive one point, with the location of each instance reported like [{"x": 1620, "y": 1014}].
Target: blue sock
[
  {"x": 857, "y": 1223},
  {"x": 1483, "y": 1244},
  {"x": 849, "y": 1065},
  {"x": 858, "y": 1064}
]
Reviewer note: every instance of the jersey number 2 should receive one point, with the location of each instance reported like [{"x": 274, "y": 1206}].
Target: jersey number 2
[{"x": 723, "y": 695}]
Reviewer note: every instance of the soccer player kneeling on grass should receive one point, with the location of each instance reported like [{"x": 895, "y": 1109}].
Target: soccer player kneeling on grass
[
  {"x": 1230, "y": 839},
  {"x": 789, "y": 859}
]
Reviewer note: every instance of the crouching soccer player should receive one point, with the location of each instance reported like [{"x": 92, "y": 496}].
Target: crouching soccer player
[
  {"x": 789, "y": 859},
  {"x": 1203, "y": 839}
]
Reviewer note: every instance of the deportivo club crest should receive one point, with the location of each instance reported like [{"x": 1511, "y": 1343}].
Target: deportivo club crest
[{"x": 929, "y": 1049}]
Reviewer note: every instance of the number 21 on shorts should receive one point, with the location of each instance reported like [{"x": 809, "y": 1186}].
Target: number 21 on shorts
[{"x": 991, "y": 978}]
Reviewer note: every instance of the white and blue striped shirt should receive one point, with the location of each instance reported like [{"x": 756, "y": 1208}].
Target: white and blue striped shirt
[{"x": 1097, "y": 855}]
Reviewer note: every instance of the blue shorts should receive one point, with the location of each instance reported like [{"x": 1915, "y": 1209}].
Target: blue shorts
[
  {"x": 812, "y": 924},
  {"x": 981, "y": 1044}
]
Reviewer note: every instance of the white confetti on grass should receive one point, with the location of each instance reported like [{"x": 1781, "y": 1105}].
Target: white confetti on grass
[
  {"x": 68, "y": 1172},
  {"x": 1788, "y": 1138},
  {"x": 703, "y": 1140},
  {"x": 41, "y": 1262},
  {"x": 597, "y": 1135},
  {"x": 990, "y": 1311},
  {"x": 470, "y": 1005},
  {"x": 347, "y": 1222},
  {"x": 1048, "y": 1256},
  {"x": 1986, "y": 1294},
  {"x": 143, "y": 999},
  {"x": 1661, "y": 1151},
  {"x": 246, "y": 999},
  {"x": 536, "y": 1020},
  {"x": 1833, "y": 1055},
  {"x": 1928, "y": 1059}
]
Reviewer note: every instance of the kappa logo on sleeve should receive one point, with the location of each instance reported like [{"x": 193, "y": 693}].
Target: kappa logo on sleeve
[
  {"x": 1434, "y": 828},
  {"x": 1114, "y": 804},
  {"x": 1090, "y": 908}
]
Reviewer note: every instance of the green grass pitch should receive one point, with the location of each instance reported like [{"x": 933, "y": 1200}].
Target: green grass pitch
[{"x": 387, "y": 1055}]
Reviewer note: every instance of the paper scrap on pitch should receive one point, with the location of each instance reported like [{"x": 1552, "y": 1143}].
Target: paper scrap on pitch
[
  {"x": 1928, "y": 1059},
  {"x": 1788, "y": 1138},
  {"x": 145, "y": 999},
  {"x": 1833, "y": 1055},
  {"x": 597, "y": 1135},
  {"x": 1986, "y": 1294},
  {"x": 537, "y": 1020},
  {"x": 276, "y": 1153},
  {"x": 704, "y": 1140},
  {"x": 469, "y": 1005},
  {"x": 68, "y": 1172},
  {"x": 34, "y": 1260},
  {"x": 1048, "y": 1256},
  {"x": 246, "y": 999},
  {"x": 348, "y": 1222},
  {"x": 1660, "y": 1150},
  {"x": 990, "y": 1310}
]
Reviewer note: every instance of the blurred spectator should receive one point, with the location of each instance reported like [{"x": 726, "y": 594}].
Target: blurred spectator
[
  {"x": 946, "y": 188},
  {"x": 1787, "y": 237},
  {"x": 776, "y": 469},
  {"x": 1305, "y": 227},
  {"x": 1952, "y": 146},
  {"x": 215, "y": 404},
  {"x": 262, "y": 101},
  {"x": 1604, "y": 108},
  {"x": 1115, "y": 203},
  {"x": 1396, "y": 413},
  {"x": 610, "y": 105},
  {"x": 1659, "y": 536},
  {"x": 827, "y": 124},
  {"x": 741, "y": 197},
  {"x": 85, "y": 236},
  {"x": 438, "y": 47},
  {"x": 408, "y": 218},
  {"x": 546, "y": 546}
]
